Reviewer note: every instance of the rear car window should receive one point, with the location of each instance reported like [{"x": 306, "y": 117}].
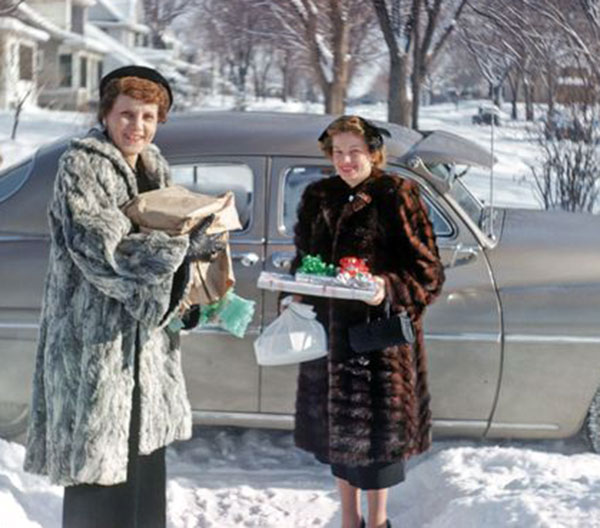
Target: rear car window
[
  {"x": 297, "y": 178},
  {"x": 218, "y": 178},
  {"x": 14, "y": 178}
]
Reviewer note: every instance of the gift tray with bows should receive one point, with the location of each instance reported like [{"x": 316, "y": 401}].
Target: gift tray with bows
[{"x": 351, "y": 280}]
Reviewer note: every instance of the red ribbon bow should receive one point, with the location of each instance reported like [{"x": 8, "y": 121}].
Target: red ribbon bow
[{"x": 353, "y": 266}]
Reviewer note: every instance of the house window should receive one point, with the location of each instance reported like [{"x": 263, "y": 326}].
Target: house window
[
  {"x": 65, "y": 70},
  {"x": 100, "y": 68},
  {"x": 83, "y": 67},
  {"x": 25, "y": 62}
]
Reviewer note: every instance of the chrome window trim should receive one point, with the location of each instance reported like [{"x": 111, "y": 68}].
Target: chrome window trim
[
  {"x": 19, "y": 326},
  {"x": 23, "y": 238},
  {"x": 240, "y": 419},
  {"x": 524, "y": 426},
  {"x": 471, "y": 337},
  {"x": 460, "y": 424},
  {"x": 552, "y": 339}
]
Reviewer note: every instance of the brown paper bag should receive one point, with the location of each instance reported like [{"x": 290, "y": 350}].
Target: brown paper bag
[{"x": 176, "y": 211}]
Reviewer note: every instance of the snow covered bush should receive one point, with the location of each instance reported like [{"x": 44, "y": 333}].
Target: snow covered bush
[{"x": 568, "y": 174}]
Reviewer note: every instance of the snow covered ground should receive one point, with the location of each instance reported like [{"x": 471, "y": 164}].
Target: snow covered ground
[{"x": 230, "y": 478}]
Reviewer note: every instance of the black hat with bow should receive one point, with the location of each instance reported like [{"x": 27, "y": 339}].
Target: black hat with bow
[
  {"x": 142, "y": 72},
  {"x": 373, "y": 133}
]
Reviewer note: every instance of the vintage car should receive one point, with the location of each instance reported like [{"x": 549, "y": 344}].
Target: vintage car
[{"x": 513, "y": 341}]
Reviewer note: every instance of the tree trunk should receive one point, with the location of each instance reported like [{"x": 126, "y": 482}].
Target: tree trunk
[
  {"x": 417, "y": 65},
  {"x": 529, "y": 92},
  {"x": 514, "y": 83},
  {"x": 335, "y": 98},
  {"x": 416, "y": 100},
  {"x": 550, "y": 84},
  {"x": 497, "y": 94},
  {"x": 398, "y": 104}
]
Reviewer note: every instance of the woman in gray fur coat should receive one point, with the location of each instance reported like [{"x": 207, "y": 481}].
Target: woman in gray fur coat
[{"x": 109, "y": 392}]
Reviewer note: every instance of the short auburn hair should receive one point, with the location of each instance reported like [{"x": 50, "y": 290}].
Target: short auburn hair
[
  {"x": 136, "y": 88},
  {"x": 355, "y": 125}
]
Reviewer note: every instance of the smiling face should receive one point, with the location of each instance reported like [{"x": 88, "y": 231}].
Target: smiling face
[
  {"x": 351, "y": 157},
  {"x": 131, "y": 125}
]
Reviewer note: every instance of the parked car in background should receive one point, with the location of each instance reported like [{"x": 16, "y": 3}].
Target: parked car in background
[
  {"x": 513, "y": 341},
  {"x": 486, "y": 114}
]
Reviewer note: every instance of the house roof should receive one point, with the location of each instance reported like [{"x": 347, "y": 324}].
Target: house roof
[
  {"x": 15, "y": 25},
  {"x": 32, "y": 17},
  {"x": 107, "y": 14},
  {"x": 118, "y": 51}
]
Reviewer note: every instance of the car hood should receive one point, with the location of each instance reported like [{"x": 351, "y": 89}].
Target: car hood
[{"x": 541, "y": 247}]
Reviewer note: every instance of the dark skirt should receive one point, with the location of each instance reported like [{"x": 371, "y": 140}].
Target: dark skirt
[
  {"x": 140, "y": 502},
  {"x": 371, "y": 477}
]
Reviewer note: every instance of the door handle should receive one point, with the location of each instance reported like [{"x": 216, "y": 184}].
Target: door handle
[
  {"x": 282, "y": 259},
  {"x": 463, "y": 255},
  {"x": 247, "y": 259}
]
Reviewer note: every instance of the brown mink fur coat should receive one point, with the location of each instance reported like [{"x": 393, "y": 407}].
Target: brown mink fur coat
[{"x": 357, "y": 410}]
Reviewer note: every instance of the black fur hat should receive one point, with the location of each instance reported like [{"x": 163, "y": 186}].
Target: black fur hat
[{"x": 142, "y": 72}]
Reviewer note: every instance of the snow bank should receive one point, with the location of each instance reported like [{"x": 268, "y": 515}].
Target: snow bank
[{"x": 231, "y": 478}]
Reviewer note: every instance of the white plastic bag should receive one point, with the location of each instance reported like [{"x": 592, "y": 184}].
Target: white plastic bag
[{"x": 293, "y": 337}]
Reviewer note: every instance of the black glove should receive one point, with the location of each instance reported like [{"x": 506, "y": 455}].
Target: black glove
[{"x": 202, "y": 246}]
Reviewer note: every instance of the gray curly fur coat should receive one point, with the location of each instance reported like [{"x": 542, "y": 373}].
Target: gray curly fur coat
[{"x": 105, "y": 283}]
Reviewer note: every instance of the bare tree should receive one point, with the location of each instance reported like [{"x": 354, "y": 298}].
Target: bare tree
[
  {"x": 326, "y": 31},
  {"x": 18, "y": 107},
  {"x": 430, "y": 35},
  {"x": 160, "y": 14},
  {"x": 237, "y": 32},
  {"x": 393, "y": 18}
]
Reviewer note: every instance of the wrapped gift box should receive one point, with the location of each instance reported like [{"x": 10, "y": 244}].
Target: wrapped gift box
[{"x": 315, "y": 285}]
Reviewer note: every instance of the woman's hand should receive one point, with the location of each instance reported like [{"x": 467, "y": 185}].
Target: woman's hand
[
  {"x": 285, "y": 301},
  {"x": 205, "y": 247},
  {"x": 380, "y": 292}
]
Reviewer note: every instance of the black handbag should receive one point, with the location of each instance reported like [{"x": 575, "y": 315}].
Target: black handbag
[{"x": 396, "y": 329}]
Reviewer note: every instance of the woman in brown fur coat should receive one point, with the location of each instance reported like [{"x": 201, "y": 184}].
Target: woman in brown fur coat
[{"x": 365, "y": 415}]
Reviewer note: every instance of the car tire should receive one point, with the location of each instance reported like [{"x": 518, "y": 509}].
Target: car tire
[
  {"x": 13, "y": 420},
  {"x": 592, "y": 424}
]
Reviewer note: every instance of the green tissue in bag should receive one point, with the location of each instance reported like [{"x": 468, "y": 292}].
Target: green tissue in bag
[{"x": 231, "y": 313}]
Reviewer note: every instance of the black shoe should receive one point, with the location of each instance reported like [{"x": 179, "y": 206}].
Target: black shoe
[{"x": 388, "y": 524}]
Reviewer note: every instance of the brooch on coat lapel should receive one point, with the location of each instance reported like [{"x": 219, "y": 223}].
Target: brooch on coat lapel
[{"x": 359, "y": 200}]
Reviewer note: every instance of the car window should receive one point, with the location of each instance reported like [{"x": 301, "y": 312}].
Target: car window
[
  {"x": 13, "y": 179},
  {"x": 297, "y": 178},
  {"x": 217, "y": 178}
]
